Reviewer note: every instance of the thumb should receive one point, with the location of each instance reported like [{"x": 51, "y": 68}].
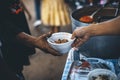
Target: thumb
[
  {"x": 54, "y": 52},
  {"x": 73, "y": 35},
  {"x": 47, "y": 34}
]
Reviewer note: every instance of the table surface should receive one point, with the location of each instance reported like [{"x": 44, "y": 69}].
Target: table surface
[{"x": 73, "y": 56}]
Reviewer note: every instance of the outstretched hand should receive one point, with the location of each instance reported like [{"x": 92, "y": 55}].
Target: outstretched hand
[
  {"x": 82, "y": 35},
  {"x": 41, "y": 43}
]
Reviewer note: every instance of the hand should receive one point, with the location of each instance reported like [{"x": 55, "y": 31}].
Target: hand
[
  {"x": 42, "y": 44},
  {"x": 81, "y": 34}
]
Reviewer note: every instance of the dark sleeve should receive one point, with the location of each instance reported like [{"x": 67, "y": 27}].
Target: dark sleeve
[
  {"x": 7, "y": 23},
  {"x": 5, "y": 72}
]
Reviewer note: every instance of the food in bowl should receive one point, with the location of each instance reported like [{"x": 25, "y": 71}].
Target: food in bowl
[
  {"x": 101, "y": 77},
  {"x": 101, "y": 74},
  {"x": 60, "y": 41}
]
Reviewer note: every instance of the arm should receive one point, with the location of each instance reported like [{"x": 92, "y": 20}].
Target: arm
[
  {"x": 37, "y": 42},
  {"x": 27, "y": 39},
  {"x": 110, "y": 27}
]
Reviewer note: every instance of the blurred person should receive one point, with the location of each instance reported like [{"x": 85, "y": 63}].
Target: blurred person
[
  {"x": 5, "y": 72},
  {"x": 54, "y": 13},
  {"x": 37, "y": 4},
  {"x": 17, "y": 42}
]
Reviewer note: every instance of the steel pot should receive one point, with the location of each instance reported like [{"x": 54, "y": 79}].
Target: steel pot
[{"x": 100, "y": 46}]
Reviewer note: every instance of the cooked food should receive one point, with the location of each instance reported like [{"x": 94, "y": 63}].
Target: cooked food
[
  {"x": 59, "y": 41},
  {"x": 101, "y": 77},
  {"x": 86, "y": 19},
  {"x": 85, "y": 63}
]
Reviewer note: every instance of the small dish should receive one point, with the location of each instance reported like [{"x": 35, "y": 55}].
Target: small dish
[
  {"x": 61, "y": 47},
  {"x": 99, "y": 73}
]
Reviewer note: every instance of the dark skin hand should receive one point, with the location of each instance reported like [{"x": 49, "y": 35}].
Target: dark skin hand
[
  {"x": 42, "y": 40},
  {"x": 37, "y": 42}
]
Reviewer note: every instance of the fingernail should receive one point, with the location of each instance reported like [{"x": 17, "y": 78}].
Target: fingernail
[{"x": 76, "y": 49}]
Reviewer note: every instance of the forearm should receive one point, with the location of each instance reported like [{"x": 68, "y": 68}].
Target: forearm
[
  {"x": 26, "y": 39},
  {"x": 37, "y": 42},
  {"x": 111, "y": 27}
]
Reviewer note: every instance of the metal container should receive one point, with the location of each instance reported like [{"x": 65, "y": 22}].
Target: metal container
[{"x": 100, "y": 46}]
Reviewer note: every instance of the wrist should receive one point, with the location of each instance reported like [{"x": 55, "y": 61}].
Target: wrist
[{"x": 91, "y": 30}]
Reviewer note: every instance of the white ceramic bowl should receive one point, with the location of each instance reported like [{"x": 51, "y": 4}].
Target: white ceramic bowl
[
  {"x": 63, "y": 47},
  {"x": 96, "y": 72}
]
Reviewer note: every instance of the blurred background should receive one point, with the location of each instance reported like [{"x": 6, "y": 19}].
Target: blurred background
[{"x": 45, "y": 66}]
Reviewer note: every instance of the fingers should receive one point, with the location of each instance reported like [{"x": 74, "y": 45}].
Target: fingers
[
  {"x": 73, "y": 35},
  {"x": 79, "y": 41},
  {"x": 46, "y": 35},
  {"x": 49, "y": 49},
  {"x": 53, "y": 52},
  {"x": 77, "y": 32},
  {"x": 43, "y": 45},
  {"x": 46, "y": 48}
]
